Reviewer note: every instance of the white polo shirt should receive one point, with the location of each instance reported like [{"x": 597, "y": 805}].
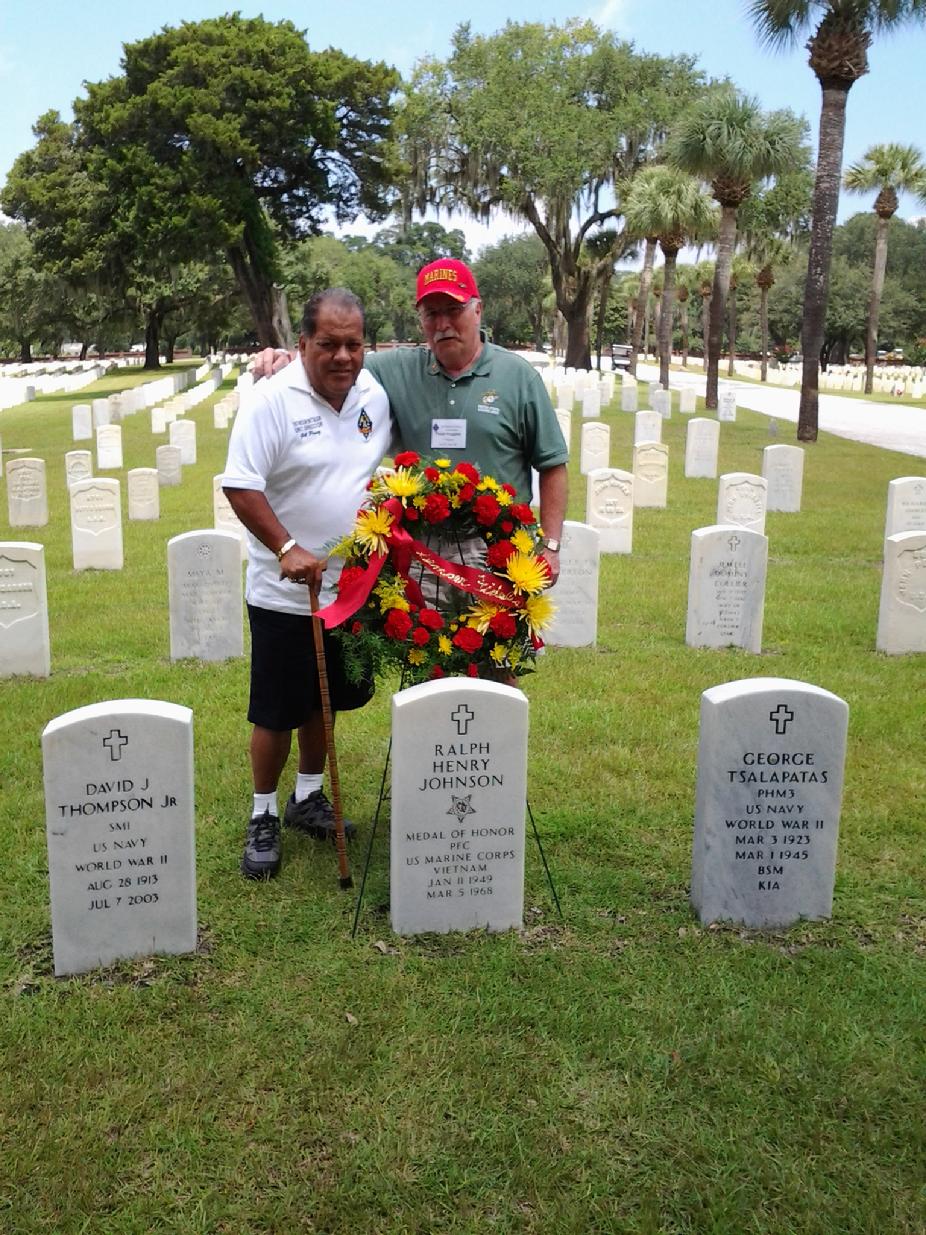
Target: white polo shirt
[{"x": 313, "y": 465}]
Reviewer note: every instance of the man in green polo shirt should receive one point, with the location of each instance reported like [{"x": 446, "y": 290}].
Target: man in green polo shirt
[{"x": 464, "y": 398}]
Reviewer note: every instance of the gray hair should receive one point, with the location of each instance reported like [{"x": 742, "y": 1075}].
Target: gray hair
[{"x": 339, "y": 297}]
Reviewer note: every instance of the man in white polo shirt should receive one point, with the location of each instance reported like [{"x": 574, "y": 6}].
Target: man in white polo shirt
[{"x": 301, "y": 453}]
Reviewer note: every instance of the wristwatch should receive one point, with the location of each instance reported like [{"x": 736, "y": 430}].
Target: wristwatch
[
  {"x": 551, "y": 543},
  {"x": 284, "y": 549}
]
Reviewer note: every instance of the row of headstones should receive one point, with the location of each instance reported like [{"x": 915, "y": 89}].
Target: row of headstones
[
  {"x": 727, "y": 579},
  {"x": 119, "y": 802},
  {"x": 204, "y": 592},
  {"x": 23, "y": 389}
]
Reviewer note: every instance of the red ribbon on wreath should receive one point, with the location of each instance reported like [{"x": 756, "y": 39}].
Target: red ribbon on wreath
[{"x": 403, "y": 548}]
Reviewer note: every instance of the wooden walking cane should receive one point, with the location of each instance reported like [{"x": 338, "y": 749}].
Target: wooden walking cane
[{"x": 339, "y": 840}]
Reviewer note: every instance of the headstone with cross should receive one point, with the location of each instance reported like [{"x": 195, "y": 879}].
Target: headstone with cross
[
  {"x": 770, "y": 772},
  {"x": 119, "y": 820},
  {"x": 459, "y": 789},
  {"x": 726, "y": 588}
]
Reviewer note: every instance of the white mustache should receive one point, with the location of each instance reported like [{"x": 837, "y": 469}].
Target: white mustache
[{"x": 445, "y": 334}]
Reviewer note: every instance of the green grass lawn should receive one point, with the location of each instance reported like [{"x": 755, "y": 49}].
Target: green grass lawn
[{"x": 622, "y": 1070}]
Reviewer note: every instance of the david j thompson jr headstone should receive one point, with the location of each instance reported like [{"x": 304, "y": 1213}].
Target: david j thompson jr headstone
[
  {"x": 770, "y": 770},
  {"x": 119, "y": 818},
  {"x": 24, "y": 644},
  {"x": 459, "y": 789}
]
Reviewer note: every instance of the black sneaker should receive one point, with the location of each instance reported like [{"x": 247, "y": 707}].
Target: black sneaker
[
  {"x": 315, "y": 817},
  {"x": 261, "y": 857}
]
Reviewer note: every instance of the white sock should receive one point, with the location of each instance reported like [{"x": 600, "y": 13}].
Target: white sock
[
  {"x": 306, "y": 783},
  {"x": 265, "y": 801}
]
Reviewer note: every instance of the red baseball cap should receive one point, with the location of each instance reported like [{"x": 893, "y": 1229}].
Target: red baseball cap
[{"x": 453, "y": 278}]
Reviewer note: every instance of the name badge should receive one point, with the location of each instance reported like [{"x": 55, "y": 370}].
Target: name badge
[{"x": 448, "y": 434}]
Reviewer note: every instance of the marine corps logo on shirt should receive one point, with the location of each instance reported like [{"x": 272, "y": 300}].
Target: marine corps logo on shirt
[{"x": 364, "y": 424}]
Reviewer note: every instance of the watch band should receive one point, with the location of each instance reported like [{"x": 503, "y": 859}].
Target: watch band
[
  {"x": 551, "y": 543},
  {"x": 284, "y": 549}
]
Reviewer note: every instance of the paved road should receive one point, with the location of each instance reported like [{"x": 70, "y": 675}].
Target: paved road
[{"x": 894, "y": 427}]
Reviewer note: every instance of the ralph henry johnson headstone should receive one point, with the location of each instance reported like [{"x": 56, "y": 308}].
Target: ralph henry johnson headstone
[
  {"x": 119, "y": 817},
  {"x": 459, "y": 789},
  {"x": 770, "y": 771}
]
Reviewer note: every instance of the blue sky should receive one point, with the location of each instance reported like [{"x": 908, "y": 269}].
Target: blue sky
[{"x": 48, "y": 51}]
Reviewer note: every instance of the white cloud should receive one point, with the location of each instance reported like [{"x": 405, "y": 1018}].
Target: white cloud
[{"x": 610, "y": 13}]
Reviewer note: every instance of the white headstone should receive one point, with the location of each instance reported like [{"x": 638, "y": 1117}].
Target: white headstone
[
  {"x": 565, "y": 423},
  {"x": 108, "y": 447},
  {"x": 629, "y": 396},
  {"x": 81, "y": 422},
  {"x": 169, "y": 466},
  {"x": 726, "y": 405},
  {"x": 96, "y": 524},
  {"x": 783, "y": 468},
  {"x": 609, "y": 501},
  {"x": 78, "y": 465},
  {"x": 26, "y": 493},
  {"x": 902, "y": 612},
  {"x": 204, "y": 569},
  {"x": 595, "y": 446},
  {"x": 224, "y": 518},
  {"x": 566, "y": 395},
  {"x": 726, "y": 588},
  {"x": 741, "y": 500},
  {"x": 651, "y": 388},
  {"x": 24, "y": 647},
  {"x": 661, "y": 402},
  {"x": 144, "y": 493},
  {"x": 650, "y": 474},
  {"x": 101, "y": 412},
  {"x": 906, "y": 505},
  {"x": 702, "y": 444},
  {"x": 575, "y": 623},
  {"x": 183, "y": 434},
  {"x": 647, "y": 427},
  {"x": 158, "y": 420},
  {"x": 591, "y": 402},
  {"x": 771, "y": 759},
  {"x": 687, "y": 400},
  {"x": 119, "y": 816},
  {"x": 459, "y": 791}
]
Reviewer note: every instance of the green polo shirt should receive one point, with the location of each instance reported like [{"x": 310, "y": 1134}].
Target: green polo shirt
[{"x": 510, "y": 425}]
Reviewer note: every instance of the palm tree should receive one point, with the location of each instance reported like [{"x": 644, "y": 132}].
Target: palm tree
[
  {"x": 686, "y": 282},
  {"x": 891, "y": 169},
  {"x": 640, "y": 305},
  {"x": 766, "y": 252},
  {"x": 729, "y": 141},
  {"x": 740, "y": 271},
  {"x": 839, "y": 57},
  {"x": 671, "y": 206},
  {"x": 706, "y": 272}
]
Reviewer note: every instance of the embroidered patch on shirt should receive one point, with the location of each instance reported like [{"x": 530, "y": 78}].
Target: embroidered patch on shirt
[
  {"x": 311, "y": 426},
  {"x": 489, "y": 403},
  {"x": 364, "y": 424}
]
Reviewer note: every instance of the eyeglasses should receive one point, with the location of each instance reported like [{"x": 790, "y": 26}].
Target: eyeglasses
[{"x": 454, "y": 312}]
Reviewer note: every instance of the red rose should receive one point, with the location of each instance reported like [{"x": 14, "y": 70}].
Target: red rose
[
  {"x": 468, "y": 640},
  {"x": 472, "y": 671},
  {"x": 436, "y": 671},
  {"x": 420, "y": 636},
  {"x": 436, "y": 508},
  {"x": 466, "y": 493},
  {"x": 356, "y": 628},
  {"x": 348, "y": 575},
  {"x": 510, "y": 490},
  {"x": 503, "y": 625},
  {"x": 507, "y": 526},
  {"x": 467, "y": 470},
  {"x": 523, "y": 513},
  {"x": 407, "y": 458},
  {"x": 397, "y": 624},
  {"x": 431, "y": 619},
  {"x": 498, "y": 554},
  {"x": 411, "y": 513},
  {"x": 486, "y": 509},
  {"x": 432, "y": 474}
]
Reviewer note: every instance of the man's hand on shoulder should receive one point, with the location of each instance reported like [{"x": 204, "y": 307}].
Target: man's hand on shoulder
[{"x": 271, "y": 360}]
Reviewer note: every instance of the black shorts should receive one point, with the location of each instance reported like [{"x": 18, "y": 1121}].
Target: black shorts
[{"x": 284, "y": 674}]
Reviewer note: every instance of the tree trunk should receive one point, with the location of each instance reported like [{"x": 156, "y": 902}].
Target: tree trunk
[
  {"x": 266, "y": 303},
  {"x": 763, "y": 328},
  {"x": 665, "y": 314},
  {"x": 731, "y": 364},
  {"x": 726, "y": 238},
  {"x": 705, "y": 328},
  {"x": 817, "y": 286},
  {"x": 84, "y": 348},
  {"x": 683, "y": 325},
  {"x": 25, "y": 351},
  {"x": 874, "y": 303},
  {"x": 641, "y": 302},
  {"x": 604, "y": 293},
  {"x": 578, "y": 355},
  {"x": 152, "y": 339},
  {"x": 169, "y": 344}
]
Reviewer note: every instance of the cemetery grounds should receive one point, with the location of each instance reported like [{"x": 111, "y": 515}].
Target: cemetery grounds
[{"x": 620, "y": 1070}]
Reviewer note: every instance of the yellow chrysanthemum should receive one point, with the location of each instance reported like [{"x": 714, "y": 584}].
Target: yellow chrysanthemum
[
  {"x": 480, "y": 615},
  {"x": 523, "y": 541},
  {"x": 417, "y": 656},
  {"x": 488, "y": 484},
  {"x": 538, "y": 610},
  {"x": 403, "y": 483},
  {"x": 499, "y": 652},
  {"x": 391, "y": 594},
  {"x": 514, "y": 655},
  {"x": 373, "y": 526},
  {"x": 441, "y": 462},
  {"x": 503, "y": 497},
  {"x": 527, "y": 573},
  {"x": 420, "y": 502},
  {"x": 444, "y": 646}
]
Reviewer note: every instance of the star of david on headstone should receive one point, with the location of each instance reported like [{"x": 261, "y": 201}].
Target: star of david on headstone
[
  {"x": 781, "y": 718},
  {"x": 461, "y": 717},
  {"x": 115, "y": 743},
  {"x": 461, "y": 807}
]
